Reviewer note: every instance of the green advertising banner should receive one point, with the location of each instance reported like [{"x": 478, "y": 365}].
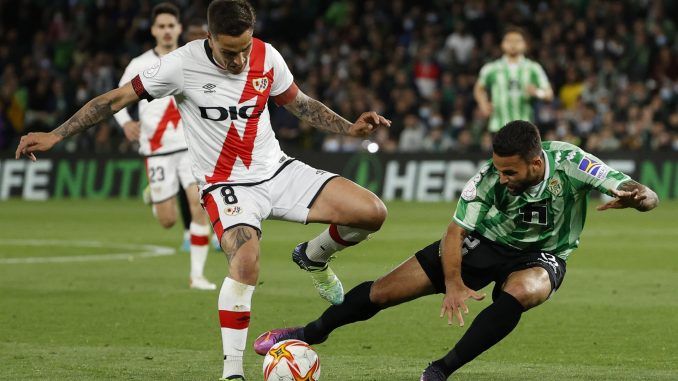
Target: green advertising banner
[{"x": 412, "y": 177}]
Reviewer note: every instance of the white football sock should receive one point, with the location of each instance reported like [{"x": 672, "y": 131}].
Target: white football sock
[
  {"x": 235, "y": 300},
  {"x": 199, "y": 247},
  {"x": 334, "y": 238}
]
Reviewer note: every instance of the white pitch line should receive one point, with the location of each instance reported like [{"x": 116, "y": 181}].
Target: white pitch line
[{"x": 135, "y": 251}]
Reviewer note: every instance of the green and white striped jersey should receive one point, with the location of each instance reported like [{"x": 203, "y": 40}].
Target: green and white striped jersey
[
  {"x": 506, "y": 85},
  {"x": 548, "y": 217}
]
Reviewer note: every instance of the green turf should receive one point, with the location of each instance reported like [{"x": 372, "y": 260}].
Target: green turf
[{"x": 135, "y": 319}]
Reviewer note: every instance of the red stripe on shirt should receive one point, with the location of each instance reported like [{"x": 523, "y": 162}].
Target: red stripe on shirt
[{"x": 234, "y": 146}]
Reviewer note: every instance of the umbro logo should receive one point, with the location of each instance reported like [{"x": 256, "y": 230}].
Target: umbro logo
[{"x": 209, "y": 88}]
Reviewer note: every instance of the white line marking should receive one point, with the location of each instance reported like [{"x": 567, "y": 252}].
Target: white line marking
[{"x": 130, "y": 251}]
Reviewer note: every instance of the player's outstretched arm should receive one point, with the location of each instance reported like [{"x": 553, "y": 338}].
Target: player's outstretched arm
[
  {"x": 320, "y": 116},
  {"x": 96, "y": 110},
  {"x": 632, "y": 194},
  {"x": 456, "y": 292}
]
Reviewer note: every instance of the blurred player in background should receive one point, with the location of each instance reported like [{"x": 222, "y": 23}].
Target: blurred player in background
[
  {"x": 512, "y": 81},
  {"x": 195, "y": 30},
  {"x": 517, "y": 222},
  {"x": 160, "y": 133},
  {"x": 222, "y": 86}
]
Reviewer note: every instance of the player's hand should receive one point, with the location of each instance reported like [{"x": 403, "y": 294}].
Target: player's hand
[
  {"x": 531, "y": 90},
  {"x": 624, "y": 199},
  {"x": 367, "y": 123},
  {"x": 132, "y": 130},
  {"x": 454, "y": 302},
  {"x": 36, "y": 142},
  {"x": 485, "y": 109}
]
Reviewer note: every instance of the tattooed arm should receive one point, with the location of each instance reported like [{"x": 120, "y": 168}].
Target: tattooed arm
[
  {"x": 96, "y": 110},
  {"x": 632, "y": 194},
  {"x": 320, "y": 116}
]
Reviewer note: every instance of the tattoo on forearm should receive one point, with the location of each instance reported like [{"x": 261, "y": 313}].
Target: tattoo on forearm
[
  {"x": 630, "y": 186},
  {"x": 317, "y": 114},
  {"x": 237, "y": 237},
  {"x": 651, "y": 200},
  {"x": 89, "y": 115}
]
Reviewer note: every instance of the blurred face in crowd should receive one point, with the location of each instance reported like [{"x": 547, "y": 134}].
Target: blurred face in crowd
[
  {"x": 231, "y": 52},
  {"x": 518, "y": 174},
  {"x": 513, "y": 44},
  {"x": 166, "y": 30}
]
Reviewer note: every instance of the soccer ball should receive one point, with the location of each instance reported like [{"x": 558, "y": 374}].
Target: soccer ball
[{"x": 291, "y": 360}]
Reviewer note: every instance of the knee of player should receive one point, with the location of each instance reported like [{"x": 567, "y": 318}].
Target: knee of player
[
  {"x": 528, "y": 294},
  {"x": 377, "y": 213},
  {"x": 379, "y": 295},
  {"x": 167, "y": 221}
]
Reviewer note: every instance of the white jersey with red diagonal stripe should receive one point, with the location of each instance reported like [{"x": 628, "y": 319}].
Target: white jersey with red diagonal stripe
[
  {"x": 228, "y": 128},
  {"x": 161, "y": 127}
]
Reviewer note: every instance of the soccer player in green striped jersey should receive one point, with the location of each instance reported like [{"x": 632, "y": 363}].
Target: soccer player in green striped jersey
[
  {"x": 512, "y": 81},
  {"x": 516, "y": 223}
]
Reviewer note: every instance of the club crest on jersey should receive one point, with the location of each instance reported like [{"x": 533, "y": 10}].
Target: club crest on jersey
[
  {"x": 233, "y": 210},
  {"x": 593, "y": 168},
  {"x": 555, "y": 187},
  {"x": 260, "y": 84}
]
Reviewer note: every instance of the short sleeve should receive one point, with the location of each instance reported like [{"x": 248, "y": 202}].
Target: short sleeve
[
  {"x": 162, "y": 79},
  {"x": 540, "y": 77},
  {"x": 476, "y": 199},
  {"x": 484, "y": 76},
  {"x": 282, "y": 76}
]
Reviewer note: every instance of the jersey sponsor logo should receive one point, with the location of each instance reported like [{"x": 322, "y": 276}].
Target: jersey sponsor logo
[
  {"x": 260, "y": 84},
  {"x": 218, "y": 114},
  {"x": 593, "y": 168},
  {"x": 152, "y": 71},
  {"x": 209, "y": 88}
]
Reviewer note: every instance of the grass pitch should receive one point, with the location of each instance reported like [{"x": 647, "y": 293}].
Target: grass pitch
[{"x": 89, "y": 292}]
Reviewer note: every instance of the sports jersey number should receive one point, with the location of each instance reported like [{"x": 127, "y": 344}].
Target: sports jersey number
[
  {"x": 470, "y": 243},
  {"x": 535, "y": 213},
  {"x": 156, "y": 174},
  {"x": 229, "y": 195}
]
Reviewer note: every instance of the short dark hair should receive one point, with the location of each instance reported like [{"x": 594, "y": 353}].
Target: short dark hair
[
  {"x": 230, "y": 17},
  {"x": 518, "y": 137},
  {"x": 164, "y": 8},
  {"x": 516, "y": 29}
]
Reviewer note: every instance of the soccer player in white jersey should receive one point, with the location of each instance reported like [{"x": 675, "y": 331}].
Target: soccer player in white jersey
[
  {"x": 221, "y": 86},
  {"x": 160, "y": 133}
]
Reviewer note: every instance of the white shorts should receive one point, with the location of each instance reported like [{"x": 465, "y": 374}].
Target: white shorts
[
  {"x": 288, "y": 196},
  {"x": 166, "y": 172}
]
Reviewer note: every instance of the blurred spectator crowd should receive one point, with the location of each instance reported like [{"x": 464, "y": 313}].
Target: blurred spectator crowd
[{"x": 613, "y": 66}]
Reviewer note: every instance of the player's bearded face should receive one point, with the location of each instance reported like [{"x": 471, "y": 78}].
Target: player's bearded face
[
  {"x": 516, "y": 174},
  {"x": 232, "y": 52}
]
